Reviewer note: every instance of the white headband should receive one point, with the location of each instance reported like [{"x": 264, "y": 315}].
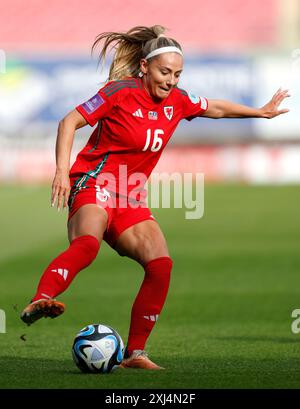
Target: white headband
[{"x": 162, "y": 50}]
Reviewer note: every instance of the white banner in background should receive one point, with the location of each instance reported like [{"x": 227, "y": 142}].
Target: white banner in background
[
  {"x": 2, "y": 62},
  {"x": 274, "y": 72}
]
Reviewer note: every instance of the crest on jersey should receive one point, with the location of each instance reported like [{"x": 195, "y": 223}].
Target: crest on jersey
[{"x": 169, "y": 112}]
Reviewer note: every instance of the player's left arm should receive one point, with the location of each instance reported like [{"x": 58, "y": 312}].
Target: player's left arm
[{"x": 218, "y": 108}]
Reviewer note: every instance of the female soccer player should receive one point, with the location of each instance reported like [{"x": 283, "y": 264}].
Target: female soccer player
[{"x": 136, "y": 113}]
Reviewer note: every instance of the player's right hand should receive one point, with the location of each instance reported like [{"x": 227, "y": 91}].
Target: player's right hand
[{"x": 60, "y": 190}]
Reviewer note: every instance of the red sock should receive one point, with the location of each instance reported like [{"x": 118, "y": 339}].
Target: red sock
[
  {"x": 149, "y": 302},
  {"x": 62, "y": 270}
]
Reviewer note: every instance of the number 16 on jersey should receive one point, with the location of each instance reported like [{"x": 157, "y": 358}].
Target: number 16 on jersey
[{"x": 157, "y": 141}]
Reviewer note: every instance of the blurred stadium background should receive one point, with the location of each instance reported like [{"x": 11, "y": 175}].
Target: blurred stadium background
[
  {"x": 236, "y": 271},
  {"x": 241, "y": 51}
]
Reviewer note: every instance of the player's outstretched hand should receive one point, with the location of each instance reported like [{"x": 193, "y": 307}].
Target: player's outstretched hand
[
  {"x": 60, "y": 190},
  {"x": 271, "y": 109}
]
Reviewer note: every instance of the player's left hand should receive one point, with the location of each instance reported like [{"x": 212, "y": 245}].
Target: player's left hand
[{"x": 271, "y": 109}]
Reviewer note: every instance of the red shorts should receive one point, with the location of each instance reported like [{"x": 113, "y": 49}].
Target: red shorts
[{"x": 121, "y": 212}]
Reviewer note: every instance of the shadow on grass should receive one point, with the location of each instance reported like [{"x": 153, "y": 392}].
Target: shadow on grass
[
  {"x": 29, "y": 368},
  {"x": 229, "y": 372},
  {"x": 39, "y": 373},
  {"x": 249, "y": 338}
]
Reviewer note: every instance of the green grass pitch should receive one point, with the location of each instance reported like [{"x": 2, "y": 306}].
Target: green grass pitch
[{"x": 227, "y": 319}]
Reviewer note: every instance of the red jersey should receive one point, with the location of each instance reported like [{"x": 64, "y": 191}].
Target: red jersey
[{"x": 132, "y": 131}]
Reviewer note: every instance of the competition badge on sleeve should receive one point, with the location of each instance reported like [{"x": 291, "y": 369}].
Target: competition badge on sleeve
[
  {"x": 93, "y": 103},
  {"x": 196, "y": 100}
]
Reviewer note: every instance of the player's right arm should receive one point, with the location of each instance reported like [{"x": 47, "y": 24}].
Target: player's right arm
[
  {"x": 90, "y": 112},
  {"x": 64, "y": 142}
]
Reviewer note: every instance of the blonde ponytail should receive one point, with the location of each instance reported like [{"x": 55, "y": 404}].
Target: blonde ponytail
[{"x": 130, "y": 48}]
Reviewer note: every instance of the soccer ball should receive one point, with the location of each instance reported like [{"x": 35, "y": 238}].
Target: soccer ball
[{"x": 97, "y": 348}]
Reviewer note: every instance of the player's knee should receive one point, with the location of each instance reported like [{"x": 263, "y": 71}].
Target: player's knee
[{"x": 152, "y": 250}]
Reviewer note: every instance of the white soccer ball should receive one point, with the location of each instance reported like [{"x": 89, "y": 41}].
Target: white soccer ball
[{"x": 97, "y": 348}]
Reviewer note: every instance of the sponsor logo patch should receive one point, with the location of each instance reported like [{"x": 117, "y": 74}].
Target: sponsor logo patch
[
  {"x": 152, "y": 115},
  {"x": 93, "y": 103}
]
